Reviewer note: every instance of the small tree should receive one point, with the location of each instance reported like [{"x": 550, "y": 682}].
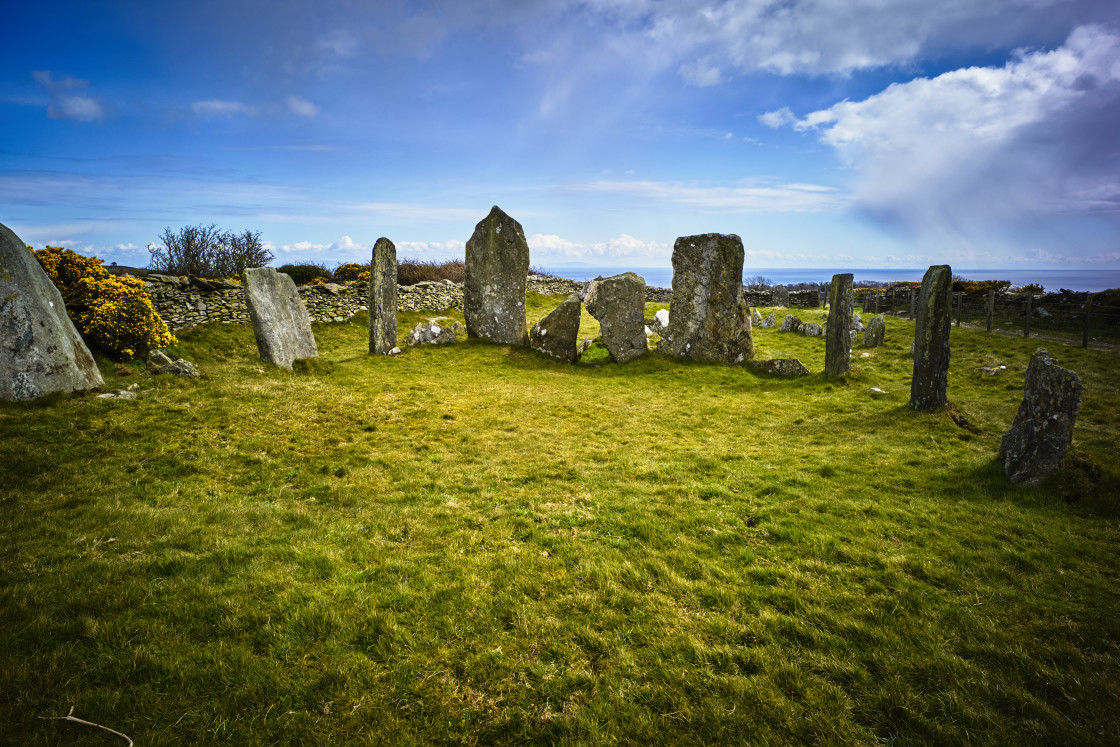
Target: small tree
[
  {"x": 758, "y": 283},
  {"x": 206, "y": 251}
]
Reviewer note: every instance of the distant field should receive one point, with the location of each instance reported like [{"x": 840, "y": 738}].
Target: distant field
[{"x": 475, "y": 544}]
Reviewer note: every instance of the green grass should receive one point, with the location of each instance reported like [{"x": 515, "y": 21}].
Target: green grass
[{"x": 476, "y": 544}]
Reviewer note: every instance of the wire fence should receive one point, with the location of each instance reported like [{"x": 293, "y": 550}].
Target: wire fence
[{"x": 1086, "y": 318}]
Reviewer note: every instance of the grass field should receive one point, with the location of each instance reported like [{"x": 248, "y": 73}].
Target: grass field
[{"x": 475, "y": 545}]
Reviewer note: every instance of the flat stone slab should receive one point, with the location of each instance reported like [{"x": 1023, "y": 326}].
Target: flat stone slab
[
  {"x": 497, "y": 267},
  {"x": 40, "y": 349},
  {"x": 1037, "y": 442},
  {"x": 280, "y": 321},
  {"x": 557, "y": 334},
  {"x": 618, "y": 302}
]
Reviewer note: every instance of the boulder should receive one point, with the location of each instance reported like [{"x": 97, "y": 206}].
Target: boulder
[
  {"x": 874, "y": 335},
  {"x": 780, "y": 367},
  {"x": 768, "y": 322},
  {"x": 1043, "y": 429},
  {"x": 710, "y": 318},
  {"x": 618, "y": 302},
  {"x": 494, "y": 289},
  {"x": 857, "y": 322},
  {"x": 838, "y": 341},
  {"x": 182, "y": 367},
  {"x": 431, "y": 333},
  {"x": 557, "y": 334},
  {"x": 756, "y": 318},
  {"x": 790, "y": 324},
  {"x": 279, "y": 318},
  {"x": 812, "y": 329},
  {"x": 157, "y": 359},
  {"x": 660, "y": 321},
  {"x": 382, "y": 299},
  {"x": 40, "y": 349},
  {"x": 931, "y": 340}
]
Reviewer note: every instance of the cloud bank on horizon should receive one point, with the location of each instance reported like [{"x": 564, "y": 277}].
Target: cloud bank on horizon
[{"x": 862, "y": 133}]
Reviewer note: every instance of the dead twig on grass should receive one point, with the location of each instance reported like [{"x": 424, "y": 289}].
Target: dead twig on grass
[{"x": 70, "y": 717}]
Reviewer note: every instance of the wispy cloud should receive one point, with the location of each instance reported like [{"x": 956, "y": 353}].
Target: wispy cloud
[
  {"x": 220, "y": 108},
  {"x": 781, "y": 198},
  {"x": 65, "y": 104},
  {"x": 302, "y": 107},
  {"x": 553, "y": 248}
]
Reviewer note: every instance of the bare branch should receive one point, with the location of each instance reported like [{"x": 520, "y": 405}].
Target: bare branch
[{"x": 70, "y": 717}]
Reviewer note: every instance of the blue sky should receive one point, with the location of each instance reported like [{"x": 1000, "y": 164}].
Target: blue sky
[{"x": 826, "y": 133}]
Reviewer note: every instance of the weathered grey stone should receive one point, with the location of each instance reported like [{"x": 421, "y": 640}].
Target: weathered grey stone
[
  {"x": 40, "y": 350},
  {"x": 431, "y": 333},
  {"x": 768, "y": 322},
  {"x": 756, "y": 318},
  {"x": 709, "y": 319},
  {"x": 618, "y": 302},
  {"x": 382, "y": 302},
  {"x": 181, "y": 367},
  {"x": 857, "y": 321},
  {"x": 1043, "y": 429},
  {"x": 660, "y": 321},
  {"x": 122, "y": 394},
  {"x": 812, "y": 329},
  {"x": 874, "y": 335},
  {"x": 279, "y": 318},
  {"x": 158, "y": 359},
  {"x": 494, "y": 287},
  {"x": 780, "y": 367},
  {"x": 557, "y": 333},
  {"x": 931, "y": 340},
  {"x": 838, "y": 341},
  {"x": 790, "y": 324},
  {"x": 780, "y": 296}
]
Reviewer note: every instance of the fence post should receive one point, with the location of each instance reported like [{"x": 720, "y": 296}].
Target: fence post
[
  {"x": 1088, "y": 315},
  {"x": 891, "y": 309},
  {"x": 1027, "y": 323},
  {"x": 960, "y": 303},
  {"x": 991, "y": 307}
]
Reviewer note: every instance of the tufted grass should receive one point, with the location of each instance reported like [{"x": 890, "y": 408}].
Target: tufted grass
[{"x": 475, "y": 544}]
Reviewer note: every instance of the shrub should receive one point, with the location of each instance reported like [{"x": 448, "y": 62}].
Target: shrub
[
  {"x": 206, "y": 251},
  {"x": 412, "y": 271},
  {"x": 350, "y": 271},
  {"x": 980, "y": 287},
  {"x": 305, "y": 273},
  {"x": 112, "y": 312}
]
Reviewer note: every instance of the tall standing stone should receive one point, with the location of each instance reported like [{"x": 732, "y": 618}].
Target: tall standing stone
[
  {"x": 619, "y": 302},
  {"x": 40, "y": 349},
  {"x": 1043, "y": 428},
  {"x": 280, "y": 321},
  {"x": 709, "y": 316},
  {"x": 557, "y": 334},
  {"x": 494, "y": 288},
  {"x": 383, "y": 298},
  {"x": 931, "y": 340},
  {"x": 838, "y": 338}
]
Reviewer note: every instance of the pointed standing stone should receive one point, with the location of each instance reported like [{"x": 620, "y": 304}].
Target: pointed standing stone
[
  {"x": 494, "y": 288},
  {"x": 709, "y": 317},
  {"x": 40, "y": 349},
  {"x": 383, "y": 298},
  {"x": 1043, "y": 428},
  {"x": 838, "y": 338},
  {"x": 618, "y": 302},
  {"x": 931, "y": 340},
  {"x": 280, "y": 321},
  {"x": 557, "y": 334}
]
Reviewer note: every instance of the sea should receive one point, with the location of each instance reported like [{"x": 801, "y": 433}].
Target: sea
[{"x": 1050, "y": 280}]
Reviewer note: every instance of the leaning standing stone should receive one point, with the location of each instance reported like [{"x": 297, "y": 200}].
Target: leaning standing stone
[
  {"x": 40, "y": 350},
  {"x": 838, "y": 339},
  {"x": 875, "y": 332},
  {"x": 279, "y": 318},
  {"x": 496, "y": 271},
  {"x": 383, "y": 298},
  {"x": 1043, "y": 429},
  {"x": 618, "y": 302},
  {"x": 931, "y": 340},
  {"x": 709, "y": 317},
  {"x": 557, "y": 333}
]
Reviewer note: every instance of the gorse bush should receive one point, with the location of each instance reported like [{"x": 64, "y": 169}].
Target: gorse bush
[
  {"x": 350, "y": 271},
  {"x": 207, "y": 252},
  {"x": 112, "y": 312},
  {"x": 306, "y": 273}
]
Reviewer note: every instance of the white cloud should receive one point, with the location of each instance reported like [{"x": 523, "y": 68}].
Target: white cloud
[
  {"x": 553, "y": 248},
  {"x": 782, "y": 198},
  {"x": 974, "y": 147},
  {"x": 700, "y": 74},
  {"x": 218, "y": 107},
  {"x": 431, "y": 250},
  {"x": 778, "y": 118},
  {"x": 81, "y": 108},
  {"x": 302, "y": 107}
]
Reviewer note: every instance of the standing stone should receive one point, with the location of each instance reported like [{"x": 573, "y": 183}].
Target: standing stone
[
  {"x": 709, "y": 317},
  {"x": 280, "y": 321},
  {"x": 768, "y": 322},
  {"x": 875, "y": 332},
  {"x": 383, "y": 298},
  {"x": 618, "y": 302},
  {"x": 838, "y": 339},
  {"x": 931, "y": 340},
  {"x": 1043, "y": 428},
  {"x": 494, "y": 290},
  {"x": 40, "y": 350},
  {"x": 557, "y": 334},
  {"x": 756, "y": 318},
  {"x": 790, "y": 324}
]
